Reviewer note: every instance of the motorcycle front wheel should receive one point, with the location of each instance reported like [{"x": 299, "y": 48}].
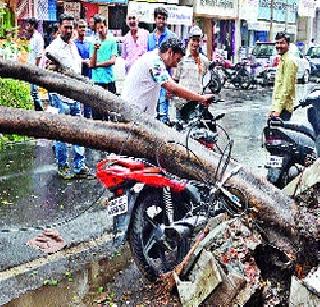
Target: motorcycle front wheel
[{"x": 153, "y": 252}]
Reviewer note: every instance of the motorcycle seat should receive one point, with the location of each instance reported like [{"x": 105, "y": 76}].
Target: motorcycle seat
[
  {"x": 130, "y": 164},
  {"x": 305, "y": 129}
]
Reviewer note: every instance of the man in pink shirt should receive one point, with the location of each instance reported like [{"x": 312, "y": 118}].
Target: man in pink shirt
[{"x": 135, "y": 41}]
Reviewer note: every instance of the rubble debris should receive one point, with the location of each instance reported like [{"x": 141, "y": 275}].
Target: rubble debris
[
  {"x": 307, "y": 179},
  {"x": 301, "y": 296},
  {"x": 230, "y": 243},
  {"x": 312, "y": 281},
  {"x": 204, "y": 278}
]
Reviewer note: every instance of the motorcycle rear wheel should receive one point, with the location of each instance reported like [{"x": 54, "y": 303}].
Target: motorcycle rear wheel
[{"x": 152, "y": 255}]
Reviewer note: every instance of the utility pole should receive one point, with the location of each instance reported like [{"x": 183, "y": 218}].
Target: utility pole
[
  {"x": 286, "y": 15},
  {"x": 271, "y": 21}
]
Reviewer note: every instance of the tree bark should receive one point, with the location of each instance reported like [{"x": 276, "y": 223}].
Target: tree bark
[{"x": 139, "y": 136}]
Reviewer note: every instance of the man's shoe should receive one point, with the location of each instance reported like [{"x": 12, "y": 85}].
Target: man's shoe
[
  {"x": 84, "y": 173},
  {"x": 65, "y": 172}
]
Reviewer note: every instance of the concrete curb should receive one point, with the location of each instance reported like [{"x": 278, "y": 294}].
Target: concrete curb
[{"x": 30, "y": 276}]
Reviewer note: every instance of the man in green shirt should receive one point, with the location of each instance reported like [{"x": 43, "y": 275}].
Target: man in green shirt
[{"x": 284, "y": 92}]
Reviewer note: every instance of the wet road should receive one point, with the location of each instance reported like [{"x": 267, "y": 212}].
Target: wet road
[{"x": 246, "y": 114}]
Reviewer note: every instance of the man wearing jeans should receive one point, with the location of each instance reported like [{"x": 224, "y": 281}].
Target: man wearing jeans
[
  {"x": 36, "y": 45},
  {"x": 83, "y": 46},
  {"x": 65, "y": 52}
]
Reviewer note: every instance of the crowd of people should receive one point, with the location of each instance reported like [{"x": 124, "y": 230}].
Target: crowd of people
[
  {"x": 158, "y": 66},
  {"x": 149, "y": 61}
]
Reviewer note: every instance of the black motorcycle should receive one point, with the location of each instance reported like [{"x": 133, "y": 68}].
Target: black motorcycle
[
  {"x": 215, "y": 82},
  {"x": 237, "y": 75},
  {"x": 292, "y": 146}
]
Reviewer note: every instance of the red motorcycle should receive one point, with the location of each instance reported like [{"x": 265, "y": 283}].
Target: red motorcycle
[{"x": 164, "y": 212}]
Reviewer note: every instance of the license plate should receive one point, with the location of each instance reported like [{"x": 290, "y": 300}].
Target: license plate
[
  {"x": 274, "y": 161},
  {"x": 118, "y": 205}
]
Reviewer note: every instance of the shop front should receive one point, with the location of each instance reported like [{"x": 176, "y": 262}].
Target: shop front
[
  {"x": 220, "y": 22},
  {"x": 281, "y": 16},
  {"x": 114, "y": 11}
]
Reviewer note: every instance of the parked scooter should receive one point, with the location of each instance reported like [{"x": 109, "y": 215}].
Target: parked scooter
[{"x": 292, "y": 146}]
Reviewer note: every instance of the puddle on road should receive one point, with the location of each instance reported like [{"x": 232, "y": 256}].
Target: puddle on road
[{"x": 82, "y": 288}]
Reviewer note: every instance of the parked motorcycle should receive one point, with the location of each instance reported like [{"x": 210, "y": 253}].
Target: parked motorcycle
[
  {"x": 165, "y": 212},
  {"x": 292, "y": 146},
  {"x": 215, "y": 82},
  {"x": 236, "y": 74}
]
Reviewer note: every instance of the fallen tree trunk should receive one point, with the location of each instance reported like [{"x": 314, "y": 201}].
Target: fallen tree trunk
[{"x": 141, "y": 136}]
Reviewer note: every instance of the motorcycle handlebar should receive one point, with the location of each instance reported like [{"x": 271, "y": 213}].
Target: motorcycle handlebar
[
  {"x": 302, "y": 103},
  {"x": 218, "y": 117}
]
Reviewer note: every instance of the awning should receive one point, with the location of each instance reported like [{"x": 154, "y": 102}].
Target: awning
[{"x": 276, "y": 27}]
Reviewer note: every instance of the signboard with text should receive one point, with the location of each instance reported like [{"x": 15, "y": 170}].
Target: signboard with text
[
  {"x": 307, "y": 8},
  {"x": 265, "y": 26},
  {"x": 280, "y": 7},
  {"x": 177, "y": 15},
  {"x": 164, "y": 1},
  {"x": 248, "y": 9},
  {"x": 109, "y": 1},
  {"x": 222, "y": 8},
  {"x": 73, "y": 9}
]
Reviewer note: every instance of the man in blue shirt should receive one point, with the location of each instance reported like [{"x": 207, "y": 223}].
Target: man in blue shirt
[
  {"x": 161, "y": 34},
  {"x": 103, "y": 54},
  {"x": 83, "y": 47}
]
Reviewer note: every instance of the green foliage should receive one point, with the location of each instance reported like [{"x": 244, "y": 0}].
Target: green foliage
[{"x": 16, "y": 94}]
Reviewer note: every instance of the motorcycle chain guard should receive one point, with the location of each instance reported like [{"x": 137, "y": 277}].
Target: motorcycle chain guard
[{"x": 115, "y": 171}]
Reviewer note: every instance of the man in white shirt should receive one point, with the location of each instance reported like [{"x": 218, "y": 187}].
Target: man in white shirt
[
  {"x": 65, "y": 52},
  {"x": 36, "y": 45},
  {"x": 150, "y": 73}
]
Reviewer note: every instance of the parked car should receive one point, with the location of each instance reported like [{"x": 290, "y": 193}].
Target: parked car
[
  {"x": 313, "y": 55},
  {"x": 304, "y": 68},
  {"x": 265, "y": 55}
]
